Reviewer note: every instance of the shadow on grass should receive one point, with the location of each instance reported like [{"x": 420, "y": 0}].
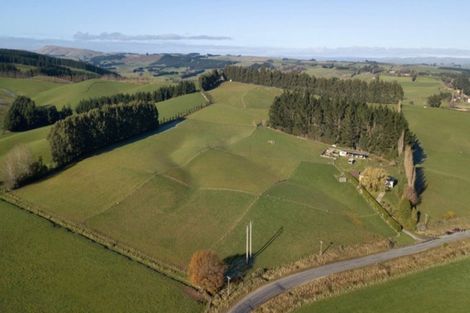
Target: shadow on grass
[
  {"x": 238, "y": 266},
  {"x": 419, "y": 156}
]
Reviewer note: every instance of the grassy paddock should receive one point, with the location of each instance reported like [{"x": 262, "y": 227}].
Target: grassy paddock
[
  {"x": 53, "y": 270},
  {"x": 73, "y": 93},
  {"x": 196, "y": 185},
  {"x": 444, "y": 137}
]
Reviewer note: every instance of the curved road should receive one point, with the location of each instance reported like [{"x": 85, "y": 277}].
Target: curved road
[{"x": 275, "y": 288}]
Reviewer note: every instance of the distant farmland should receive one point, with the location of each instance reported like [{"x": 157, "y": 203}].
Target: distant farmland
[{"x": 195, "y": 186}]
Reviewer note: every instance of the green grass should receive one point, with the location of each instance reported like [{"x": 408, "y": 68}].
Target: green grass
[
  {"x": 180, "y": 104},
  {"x": 36, "y": 139},
  {"x": 47, "y": 269},
  {"x": 12, "y": 87},
  {"x": 444, "y": 136},
  {"x": 419, "y": 90},
  {"x": 440, "y": 289},
  {"x": 73, "y": 93},
  {"x": 196, "y": 185},
  {"x": 28, "y": 86}
]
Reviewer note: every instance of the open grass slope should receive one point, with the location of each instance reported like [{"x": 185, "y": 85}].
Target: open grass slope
[
  {"x": 10, "y": 88},
  {"x": 444, "y": 136},
  {"x": 417, "y": 92},
  {"x": 47, "y": 269},
  {"x": 71, "y": 94},
  {"x": 36, "y": 139},
  {"x": 440, "y": 289},
  {"x": 196, "y": 185}
]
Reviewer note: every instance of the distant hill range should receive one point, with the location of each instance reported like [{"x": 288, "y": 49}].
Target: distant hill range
[
  {"x": 20, "y": 63},
  {"x": 69, "y": 53}
]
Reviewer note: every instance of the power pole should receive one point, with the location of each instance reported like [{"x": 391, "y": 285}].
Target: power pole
[
  {"x": 228, "y": 287},
  {"x": 251, "y": 239},
  {"x": 247, "y": 244},
  {"x": 321, "y": 247}
]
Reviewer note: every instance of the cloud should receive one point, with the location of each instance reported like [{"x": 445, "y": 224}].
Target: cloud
[{"x": 122, "y": 37}]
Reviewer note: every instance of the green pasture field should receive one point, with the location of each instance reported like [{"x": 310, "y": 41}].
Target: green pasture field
[
  {"x": 71, "y": 94},
  {"x": 172, "y": 107},
  {"x": 444, "y": 136},
  {"x": 440, "y": 289},
  {"x": 418, "y": 91},
  {"x": 196, "y": 185},
  {"x": 36, "y": 139},
  {"x": 47, "y": 269},
  {"x": 10, "y": 88}
]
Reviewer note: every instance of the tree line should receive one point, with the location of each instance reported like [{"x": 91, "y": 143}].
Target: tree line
[
  {"x": 210, "y": 80},
  {"x": 462, "y": 82},
  {"x": 375, "y": 91},
  {"x": 23, "y": 115},
  {"x": 339, "y": 120},
  {"x": 161, "y": 94},
  {"x": 80, "y": 134}
]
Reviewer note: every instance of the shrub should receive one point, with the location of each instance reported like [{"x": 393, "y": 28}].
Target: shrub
[
  {"x": 207, "y": 271},
  {"x": 374, "y": 178}
]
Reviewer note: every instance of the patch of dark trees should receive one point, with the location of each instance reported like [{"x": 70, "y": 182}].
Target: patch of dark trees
[
  {"x": 23, "y": 115},
  {"x": 435, "y": 100},
  {"x": 161, "y": 94},
  {"x": 190, "y": 73},
  {"x": 375, "y": 91},
  {"x": 210, "y": 80},
  {"x": 81, "y": 134},
  {"x": 462, "y": 82},
  {"x": 338, "y": 120},
  {"x": 194, "y": 61},
  {"x": 52, "y": 66}
]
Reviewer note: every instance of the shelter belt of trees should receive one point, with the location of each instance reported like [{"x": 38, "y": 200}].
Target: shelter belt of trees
[
  {"x": 375, "y": 91},
  {"x": 81, "y": 134},
  {"x": 161, "y": 94}
]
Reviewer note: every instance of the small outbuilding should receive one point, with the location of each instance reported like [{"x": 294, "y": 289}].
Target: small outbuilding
[{"x": 390, "y": 182}]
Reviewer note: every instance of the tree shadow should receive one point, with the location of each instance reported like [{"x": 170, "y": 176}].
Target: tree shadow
[
  {"x": 237, "y": 265},
  {"x": 419, "y": 156},
  {"x": 420, "y": 183}
]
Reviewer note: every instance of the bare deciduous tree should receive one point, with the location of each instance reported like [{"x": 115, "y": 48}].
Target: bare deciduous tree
[{"x": 16, "y": 165}]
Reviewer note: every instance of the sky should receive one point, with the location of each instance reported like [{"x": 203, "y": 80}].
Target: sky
[{"x": 256, "y": 23}]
